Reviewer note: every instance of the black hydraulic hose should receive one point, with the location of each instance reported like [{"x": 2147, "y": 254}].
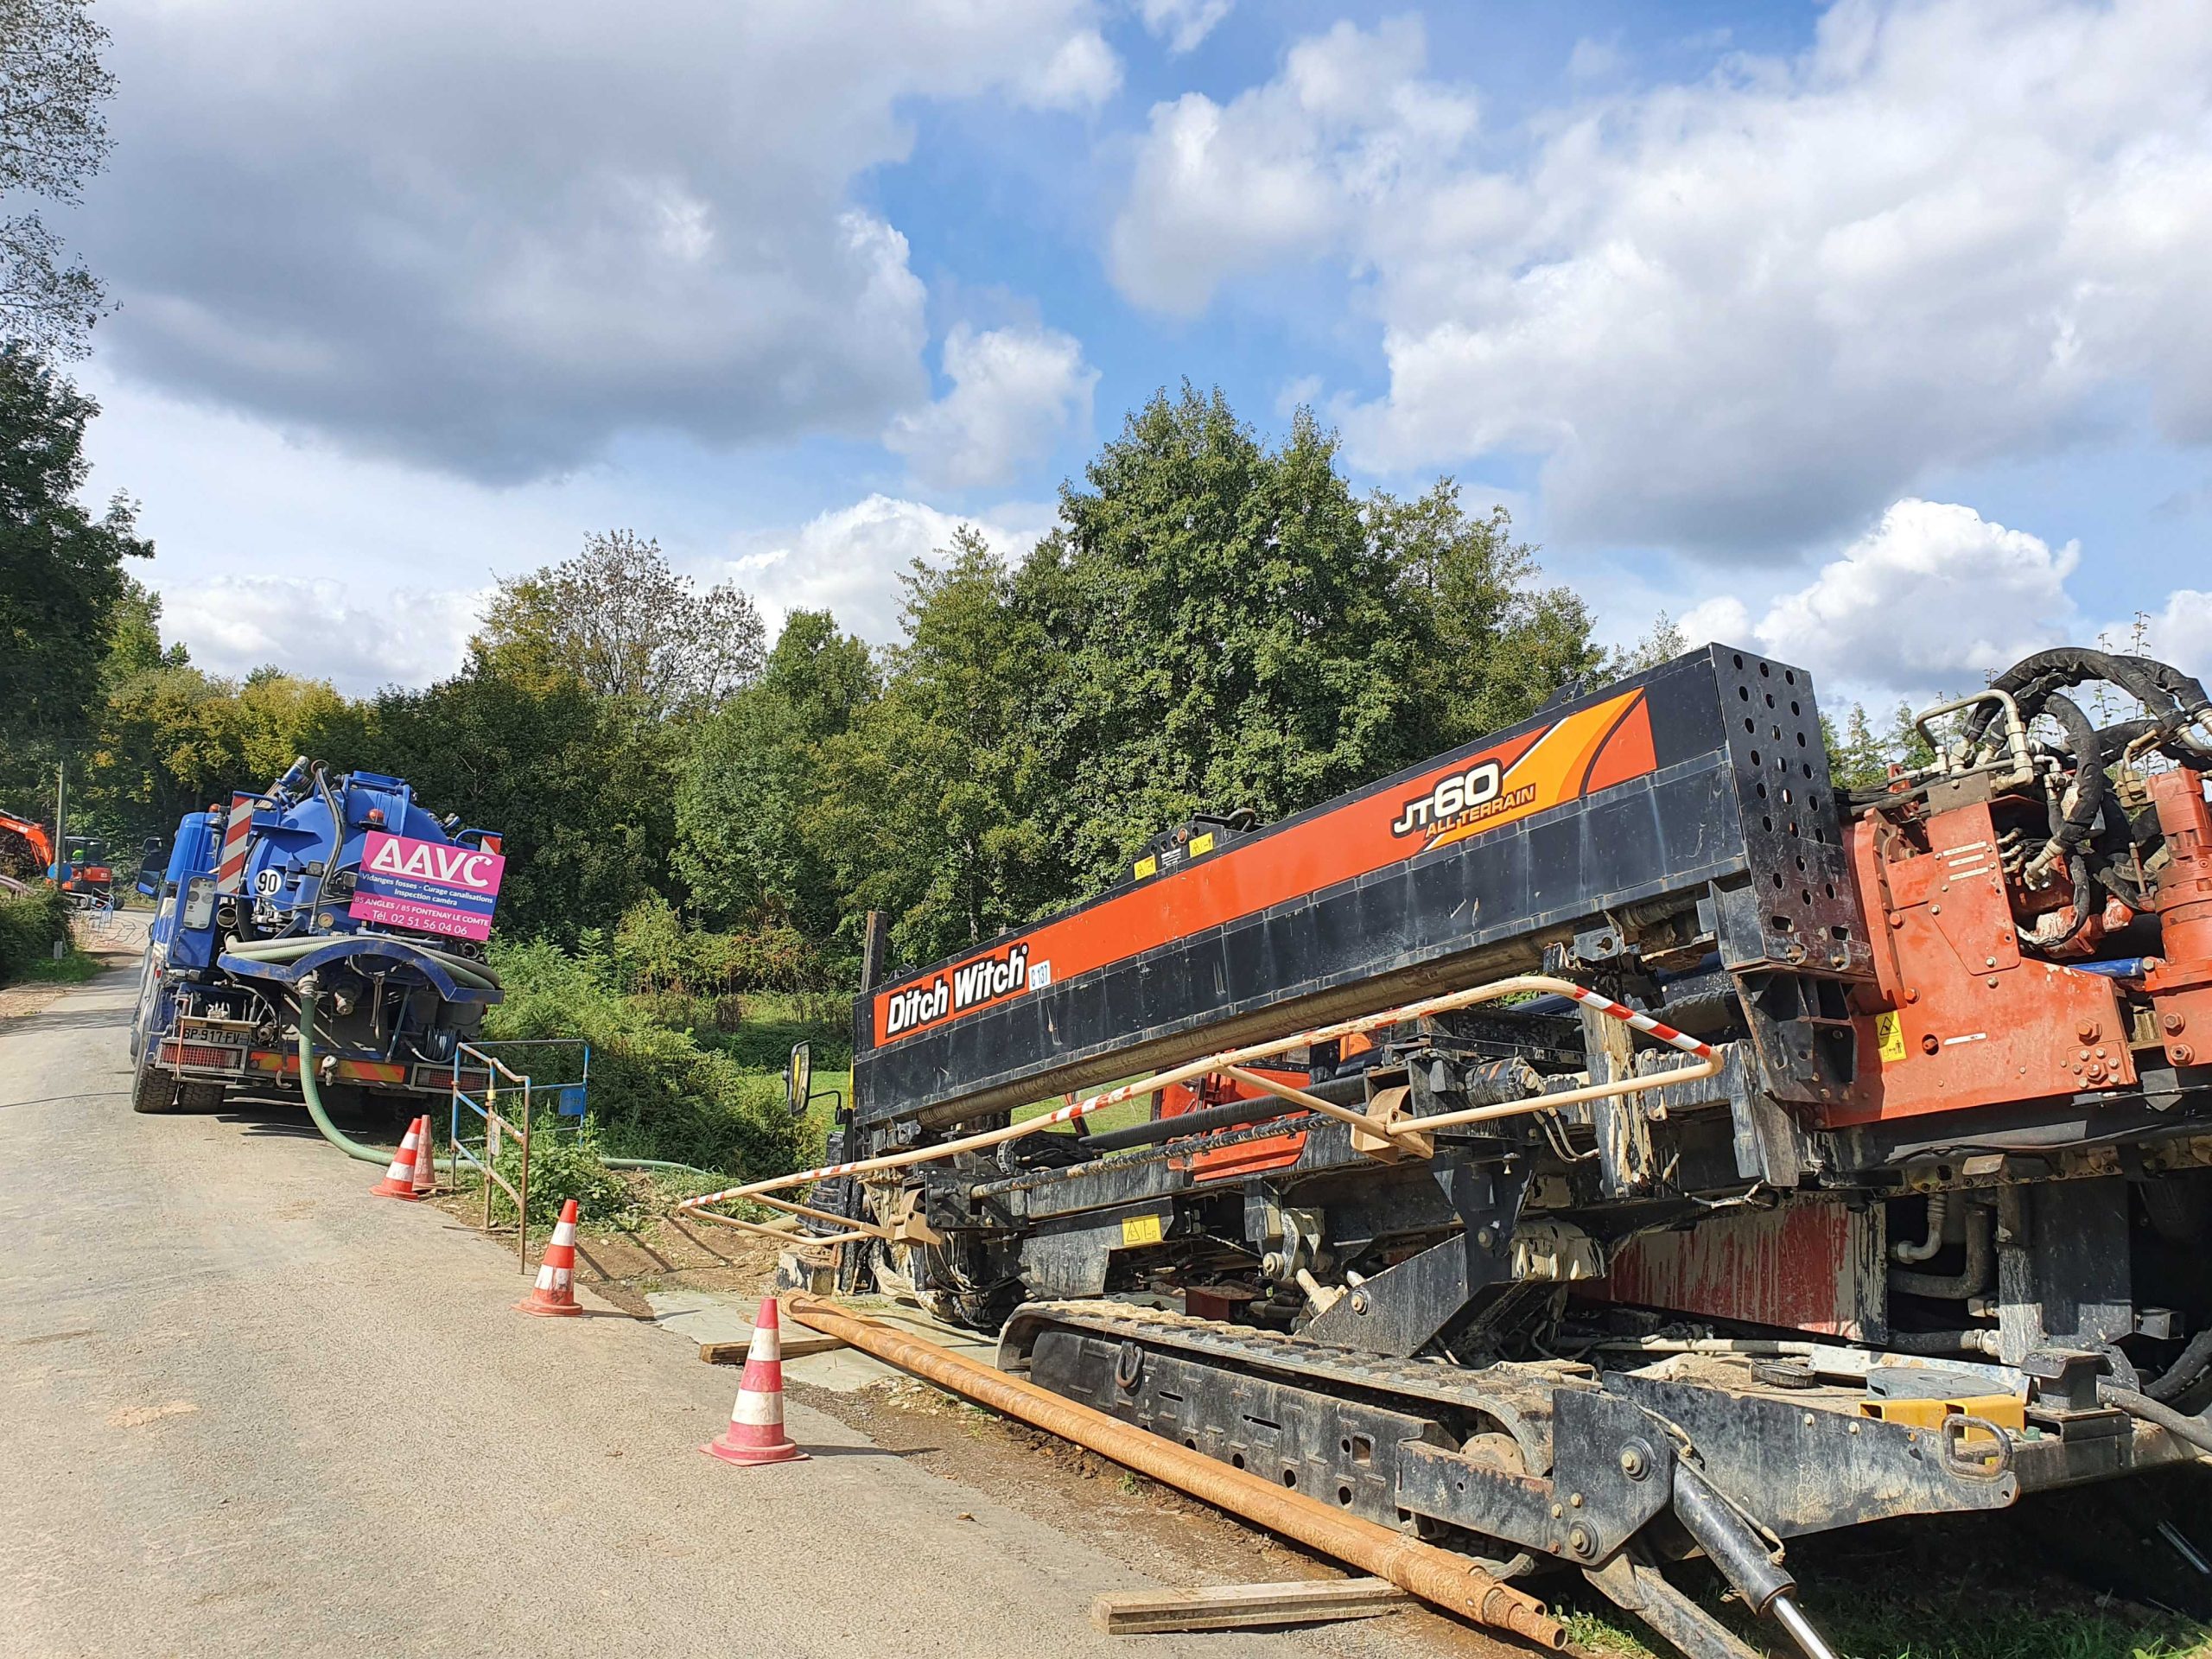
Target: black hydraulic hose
[
  {"x": 2188, "y": 1368},
  {"x": 2191, "y": 1430},
  {"x": 2173, "y": 698},
  {"x": 1228, "y": 1117},
  {"x": 2091, "y": 784}
]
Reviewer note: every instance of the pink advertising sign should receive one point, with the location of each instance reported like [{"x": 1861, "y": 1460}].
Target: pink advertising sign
[{"x": 430, "y": 886}]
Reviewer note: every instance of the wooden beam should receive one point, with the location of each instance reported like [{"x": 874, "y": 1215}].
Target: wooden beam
[
  {"x": 797, "y": 1344},
  {"x": 1240, "y": 1606}
]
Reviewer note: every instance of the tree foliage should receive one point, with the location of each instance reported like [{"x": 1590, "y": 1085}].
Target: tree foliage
[
  {"x": 621, "y": 619},
  {"x": 53, "y": 137},
  {"x": 932, "y": 806},
  {"x": 61, "y": 576},
  {"x": 580, "y": 790},
  {"x": 753, "y": 770},
  {"x": 1229, "y": 625}
]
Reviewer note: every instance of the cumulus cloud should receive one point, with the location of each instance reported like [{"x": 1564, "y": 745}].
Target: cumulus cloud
[
  {"x": 1015, "y": 393},
  {"x": 322, "y": 629},
  {"x": 1285, "y": 170},
  {"x": 490, "y": 239},
  {"x": 2179, "y": 632},
  {"x": 849, "y": 560},
  {"x": 1934, "y": 598},
  {"x": 1182, "y": 24},
  {"x": 1744, "y": 313},
  {"x": 1083, "y": 74}
]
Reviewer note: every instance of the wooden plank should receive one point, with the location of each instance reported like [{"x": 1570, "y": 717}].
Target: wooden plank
[
  {"x": 797, "y": 1344},
  {"x": 1240, "y": 1606}
]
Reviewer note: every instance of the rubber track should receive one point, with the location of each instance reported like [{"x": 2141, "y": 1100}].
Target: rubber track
[{"x": 1507, "y": 1391}]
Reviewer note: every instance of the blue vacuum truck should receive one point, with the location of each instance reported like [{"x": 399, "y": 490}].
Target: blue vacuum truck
[{"x": 327, "y": 934}]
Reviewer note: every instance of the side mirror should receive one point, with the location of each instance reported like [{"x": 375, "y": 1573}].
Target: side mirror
[{"x": 798, "y": 1079}]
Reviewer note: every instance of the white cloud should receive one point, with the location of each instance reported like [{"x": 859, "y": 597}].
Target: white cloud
[
  {"x": 1182, "y": 24},
  {"x": 1285, "y": 170},
  {"x": 1724, "y": 617},
  {"x": 2179, "y": 633},
  {"x": 492, "y": 240},
  {"x": 1933, "y": 596},
  {"x": 323, "y": 629},
  {"x": 1595, "y": 59},
  {"x": 849, "y": 560},
  {"x": 1015, "y": 393},
  {"x": 1746, "y": 313},
  {"x": 1083, "y": 74}
]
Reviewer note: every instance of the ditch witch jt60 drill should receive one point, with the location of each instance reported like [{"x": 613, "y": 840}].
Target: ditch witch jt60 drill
[{"x": 1611, "y": 1139}]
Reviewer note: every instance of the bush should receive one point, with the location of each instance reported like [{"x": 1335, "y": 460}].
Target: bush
[
  {"x": 30, "y": 926},
  {"x": 655, "y": 1092},
  {"x": 565, "y": 1166}
]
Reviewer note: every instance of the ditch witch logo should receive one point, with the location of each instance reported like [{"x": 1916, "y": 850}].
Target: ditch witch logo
[
  {"x": 1458, "y": 801},
  {"x": 971, "y": 985}
]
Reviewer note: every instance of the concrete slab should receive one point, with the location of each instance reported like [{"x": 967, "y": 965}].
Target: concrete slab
[{"x": 702, "y": 1316}]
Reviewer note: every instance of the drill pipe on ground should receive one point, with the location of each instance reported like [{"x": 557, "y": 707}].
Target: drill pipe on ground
[{"x": 1451, "y": 1582}]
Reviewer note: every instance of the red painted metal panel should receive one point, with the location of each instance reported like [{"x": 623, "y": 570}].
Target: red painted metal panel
[{"x": 1808, "y": 1266}]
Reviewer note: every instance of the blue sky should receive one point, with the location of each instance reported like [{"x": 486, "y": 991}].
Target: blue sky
[{"x": 1872, "y": 334}]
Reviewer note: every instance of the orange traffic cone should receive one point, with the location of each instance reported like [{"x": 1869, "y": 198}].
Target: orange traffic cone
[
  {"x": 553, "y": 1295},
  {"x": 756, "y": 1421},
  {"x": 399, "y": 1181},
  {"x": 425, "y": 1173}
]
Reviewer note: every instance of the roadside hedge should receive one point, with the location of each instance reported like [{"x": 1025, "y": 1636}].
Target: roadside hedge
[
  {"x": 31, "y": 925},
  {"x": 655, "y": 1092}
]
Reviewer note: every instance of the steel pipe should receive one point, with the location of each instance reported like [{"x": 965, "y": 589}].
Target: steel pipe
[
  {"x": 1707, "y": 1062},
  {"x": 1437, "y": 1576}
]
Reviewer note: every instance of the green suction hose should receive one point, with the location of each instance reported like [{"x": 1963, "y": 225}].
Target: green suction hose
[{"x": 310, "y": 995}]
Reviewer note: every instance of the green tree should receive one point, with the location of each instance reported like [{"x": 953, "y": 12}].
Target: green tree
[
  {"x": 618, "y": 618},
  {"x": 61, "y": 574},
  {"x": 170, "y": 740},
  {"x": 753, "y": 772},
  {"x": 1490, "y": 643},
  {"x": 53, "y": 137},
  {"x": 1226, "y": 626},
  {"x": 1663, "y": 643},
  {"x": 1857, "y": 759},
  {"x": 580, "y": 790},
  {"x": 929, "y": 806}
]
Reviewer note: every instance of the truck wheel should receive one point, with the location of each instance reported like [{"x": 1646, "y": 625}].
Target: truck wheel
[
  {"x": 201, "y": 1096},
  {"x": 153, "y": 1090}
]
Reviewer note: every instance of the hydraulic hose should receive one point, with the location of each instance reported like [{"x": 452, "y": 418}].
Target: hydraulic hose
[
  {"x": 661, "y": 1163},
  {"x": 2195, "y": 1432},
  {"x": 310, "y": 994}
]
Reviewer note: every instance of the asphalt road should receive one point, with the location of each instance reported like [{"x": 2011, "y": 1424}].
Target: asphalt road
[{"x": 247, "y": 1408}]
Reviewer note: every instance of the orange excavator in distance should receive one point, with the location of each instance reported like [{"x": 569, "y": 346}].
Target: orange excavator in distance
[{"x": 27, "y": 855}]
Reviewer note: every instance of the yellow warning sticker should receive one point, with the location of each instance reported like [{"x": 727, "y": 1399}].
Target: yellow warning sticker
[
  {"x": 1147, "y": 866},
  {"x": 1140, "y": 1229},
  {"x": 1202, "y": 843},
  {"x": 1889, "y": 1032}
]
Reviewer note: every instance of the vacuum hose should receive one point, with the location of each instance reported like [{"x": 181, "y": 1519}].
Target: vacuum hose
[{"x": 310, "y": 994}]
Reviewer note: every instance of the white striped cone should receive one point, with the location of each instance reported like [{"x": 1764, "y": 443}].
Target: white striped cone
[
  {"x": 756, "y": 1421},
  {"x": 554, "y": 1293},
  {"x": 399, "y": 1181}
]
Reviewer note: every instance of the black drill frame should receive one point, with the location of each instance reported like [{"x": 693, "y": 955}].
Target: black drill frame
[{"x": 1738, "y": 808}]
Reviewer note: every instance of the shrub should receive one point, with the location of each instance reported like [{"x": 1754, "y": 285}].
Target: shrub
[
  {"x": 565, "y": 1166},
  {"x": 31, "y": 925},
  {"x": 655, "y": 1092}
]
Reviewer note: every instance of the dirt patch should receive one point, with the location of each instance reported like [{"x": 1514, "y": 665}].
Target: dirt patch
[
  {"x": 668, "y": 1253},
  {"x": 1152, "y": 1528},
  {"x": 19, "y": 1000}
]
